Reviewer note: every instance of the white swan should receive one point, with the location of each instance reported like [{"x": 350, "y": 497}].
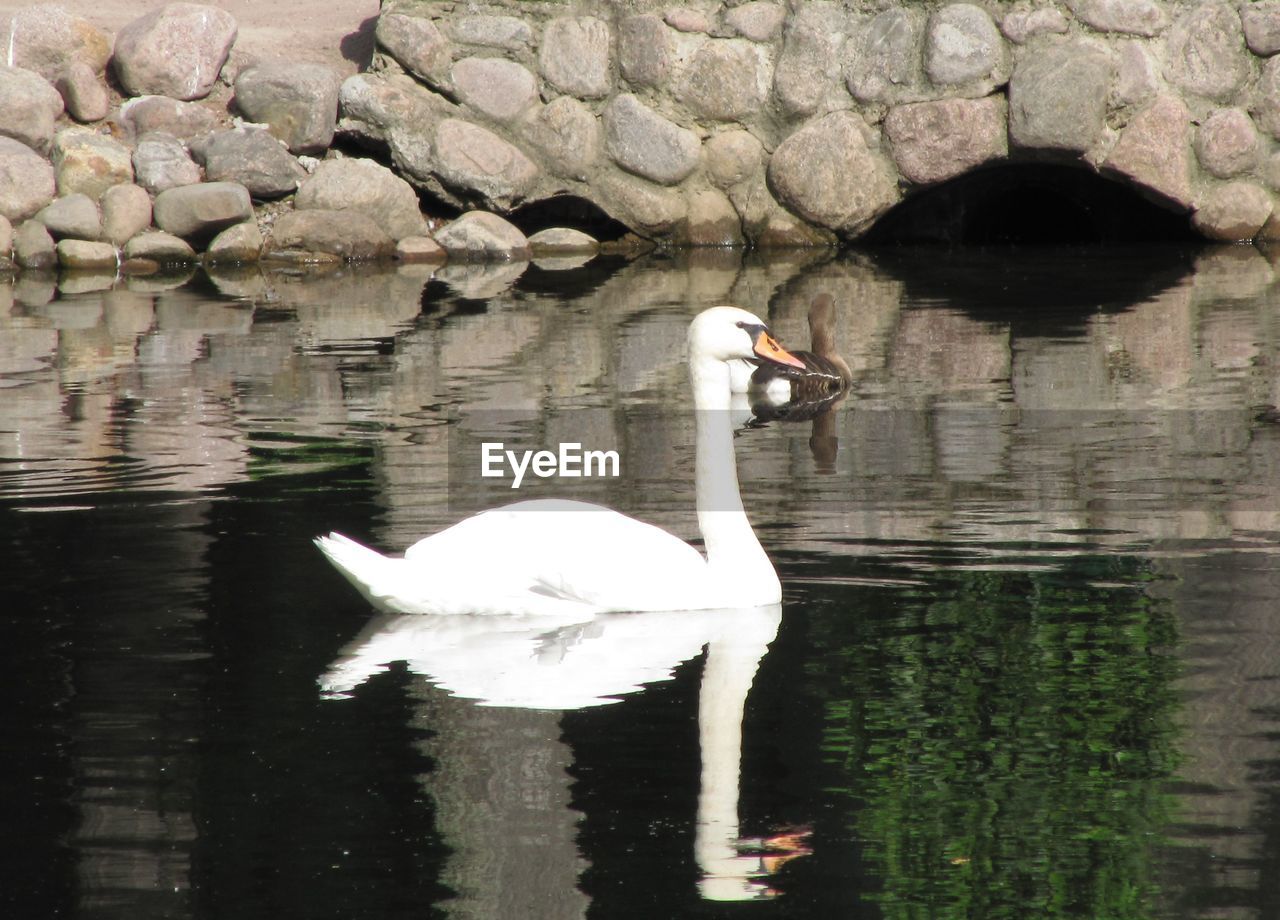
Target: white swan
[{"x": 575, "y": 559}]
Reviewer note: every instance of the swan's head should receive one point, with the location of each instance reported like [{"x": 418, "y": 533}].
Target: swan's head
[{"x": 729, "y": 334}]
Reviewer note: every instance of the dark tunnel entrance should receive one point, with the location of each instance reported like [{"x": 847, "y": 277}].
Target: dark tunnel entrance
[
  {"x": 567, "y": 211},
  {"x": 1030, "y": 204}
]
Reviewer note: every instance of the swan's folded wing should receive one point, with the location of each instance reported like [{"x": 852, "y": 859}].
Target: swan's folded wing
[
  {"x": 569, "y": 551},
  {"x": 620, "y": 563}
]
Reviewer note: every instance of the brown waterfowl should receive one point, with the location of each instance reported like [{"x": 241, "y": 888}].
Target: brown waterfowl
[{"x": 825, "y": 373}]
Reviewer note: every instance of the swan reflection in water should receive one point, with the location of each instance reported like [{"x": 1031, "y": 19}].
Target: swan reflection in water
[{"x": 524, "y": 663}]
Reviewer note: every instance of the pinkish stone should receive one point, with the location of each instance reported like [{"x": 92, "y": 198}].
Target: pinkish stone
[
  {"x": 934, "y": 141},
  {"x": 1154, "y": 150}
]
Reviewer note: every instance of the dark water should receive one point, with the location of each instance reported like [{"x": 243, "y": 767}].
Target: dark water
[{"x": 1027, "y": 662}]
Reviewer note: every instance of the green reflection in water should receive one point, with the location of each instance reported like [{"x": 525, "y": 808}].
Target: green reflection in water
[
  {"x": 275, "y": 454},
  {"x": 1003, "y": 738}
]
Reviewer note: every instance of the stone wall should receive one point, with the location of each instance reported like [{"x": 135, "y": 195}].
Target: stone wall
[
  {"x": 803, "y": 122},
  {"x": 715, "y": 124}
]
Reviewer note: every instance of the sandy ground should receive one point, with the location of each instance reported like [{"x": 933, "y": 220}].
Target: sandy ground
[{"x": 336, "y": 32}]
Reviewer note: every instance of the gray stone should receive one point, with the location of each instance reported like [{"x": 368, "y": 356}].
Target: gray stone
[
  {"x": 237, "y": 62},
  {"x": 390, "y": 109},
  {"x": 1271, "y": 171},
  {"x": 1154, "y": 150},
  {"x": 642, "y": 206},
  {"x": 645, "y": 143},
  {"x": 510, "y": 33},
  {"x": 27, "y": 181},
  {"x": 826, "y": 174},
  {"x": 199, "y": 212},
  {"x": 684, "y": 19},
  {"x": 562, "y": 240},
  {"x": 83, "y": 92},
  {"x": 727, "y": 80},
  {"x": 758, "y": 21},
  {"x": 935, "y": 141},
  {"x": 1261, "y": 23},
  {"x": 483, "y": 237},
  {"x": 347, "y": 234},
  {"x": 81, "y": 254},
  {"x": 1136, "y": 76},
  {"x": 1058, "y": 97},
  {"x": 1205, "y": 52},
  {"x": 962, "y": 44},
  {"x": 419, "y": 249},
  {"x": 472, "y": 159},
  {"x": 1266, "y": 101},
  {"x": 410, "y": 136},
  {"x": 47, "y": 38},
  {"x": 495, "y": 87},
  {"x": 809, "y": 66},
  {"x": 644, "y": 49},
  {"x": 368, "y": 188},
  {"x": 567, "y": 134},
  {"x": 1020, "y": 26},
  {"x": 33, "y": 247},
  {"x": 175, "y": 50},
  {"x": 1131, "y": 17},
  {"x": 1227, "y": 143},
  {"x": 253, "y": 158},
  {"x": 712, "y": 221},
  {"x": 733, "y": 157},
  {"x": 885, "y": 55},
  {"x": 297, "y": 102},
  {"x": 755, "y": 205},
  {"x": 574, "y": 56},
  {"x": 240, "y": 243},
  {"x": 126, "y": 212},
  {"x": 160, "y": 247},
  {"x": 417, "y": 45},
  {"x": 161, "y": 161},
  {"x": 183, "y": 120},
  {"x": 29, "y": 107},
  {"x": 6, "y": 238},
  {"x": 75, "y": 216},
  {"x": 89, "y": 162},
  {"x": 1235, "y": 211}
]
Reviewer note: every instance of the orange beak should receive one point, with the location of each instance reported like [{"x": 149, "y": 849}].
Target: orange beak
[{"x": 768, "y": 349}]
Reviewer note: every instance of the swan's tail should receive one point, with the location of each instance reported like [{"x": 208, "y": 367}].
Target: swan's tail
[{"x": 374, "y": 575}]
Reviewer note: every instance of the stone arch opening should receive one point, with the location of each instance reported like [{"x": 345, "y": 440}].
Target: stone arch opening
[
  {"x": 568, "y": 211},
  {"x": 1031, "y": 203}
]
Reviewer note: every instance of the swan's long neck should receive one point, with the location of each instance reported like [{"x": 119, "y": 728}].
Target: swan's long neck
[{"x": 731, "y": 545}]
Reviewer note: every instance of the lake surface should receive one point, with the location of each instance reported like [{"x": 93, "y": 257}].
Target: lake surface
[{"x": 1027, "y": 663}]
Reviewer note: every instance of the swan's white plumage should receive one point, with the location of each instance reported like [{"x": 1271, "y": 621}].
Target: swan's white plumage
[
  {"x": 546, "y": 556},
  {"x": 574, "y": 559}
]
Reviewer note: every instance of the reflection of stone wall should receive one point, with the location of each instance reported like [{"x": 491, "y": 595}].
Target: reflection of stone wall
[
  {"x": 1123, "y": 430},
  {"x": 1226, "y": 606},
  {"x": 788, "y": 123},
  {"x": 500, "y": 786}
]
